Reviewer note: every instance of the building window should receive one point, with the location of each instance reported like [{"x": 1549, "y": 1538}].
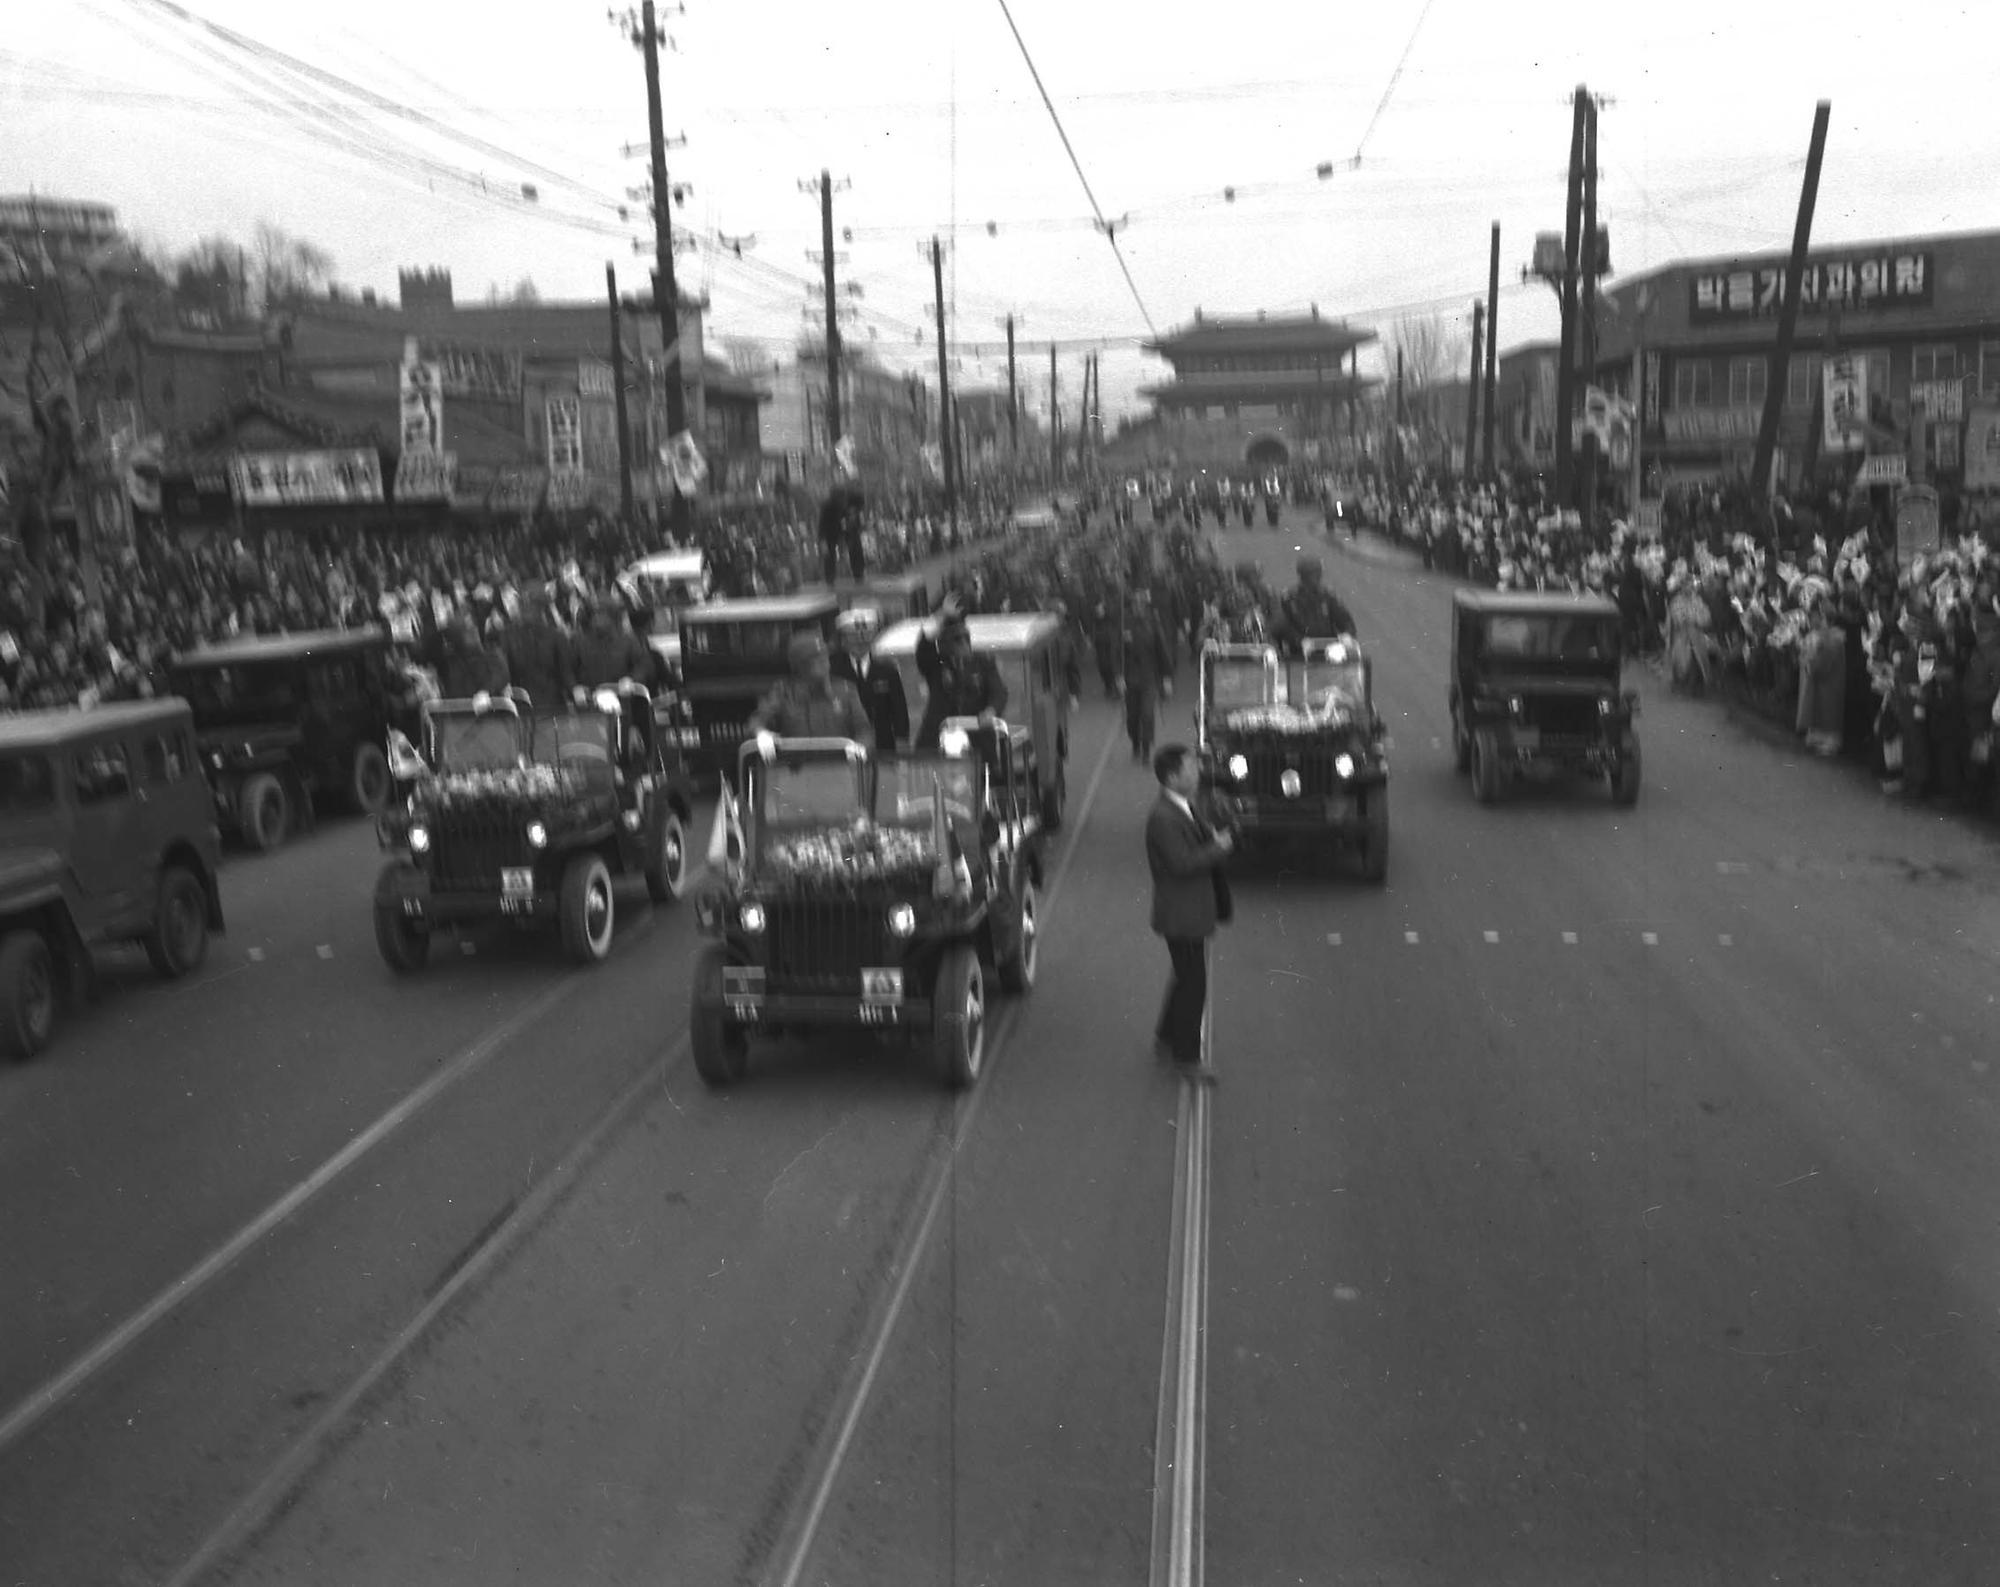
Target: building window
[
  {"x": 1694, "y": 383},
  {"x": 1938, "y": 361},
  {"x": 1989, "y": 369},
  {"x": 1748, "y": 381},
  {"x": 1802, "y": 380}
]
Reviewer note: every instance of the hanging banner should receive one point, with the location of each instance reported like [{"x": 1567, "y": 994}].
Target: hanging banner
[
  {"x": 1943, "y": 400},
  {"x": 426, "y": 476},
  {"x": 307, "y": 479},
  {"x": 422, "y": 407},
  {"x": 1844, "y": 390},
  {"x": 1851, "y": 282},
  {"x": 683, "y": 458},
  {"x": 565, "y": 416},
  {"x": 1982, "y": 449}
]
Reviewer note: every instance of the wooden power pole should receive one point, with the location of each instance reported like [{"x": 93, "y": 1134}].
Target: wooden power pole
[{"x": 1788, "y": 309}]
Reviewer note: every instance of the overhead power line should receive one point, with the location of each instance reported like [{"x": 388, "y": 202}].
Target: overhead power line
[
  {"x": 1395, "y": 77},
  {"x": 1097, "y": 209}
]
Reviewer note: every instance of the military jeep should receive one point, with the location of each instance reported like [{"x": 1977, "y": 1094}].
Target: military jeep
[
  {"x": 107, "y": 836},
  {"x": 1535, "y": 689},
  {"x": 1294, "y": 749},
  {"x": 879, "y": 894},
  {"x": 288, "y": 720},
  {"x": 514, "y": 816}
]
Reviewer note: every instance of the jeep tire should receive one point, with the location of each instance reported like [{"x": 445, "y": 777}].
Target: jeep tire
[
  {"x": 404, "y": 943},
  {"x": 1017, "y": 969},
  {"x": 27, "y": 993},
  {"x": 1374, "y": 847},
  {"x": 1054, "y": 799},
  {"x": 958, "y": 1019},
  {"x": 721, "y": 1050},
  {"x": 666, "y": 871},
  {"x": 587, "y": 910},
  {"x": 178, "y": 941},
  {"x": 1625, "y": 774},
  {"x": 1485, "y": 766},
  {"x": 263, "y": 811},
  {"x": 368, "y": 782},
  {"x": 1461, "y": 744}
]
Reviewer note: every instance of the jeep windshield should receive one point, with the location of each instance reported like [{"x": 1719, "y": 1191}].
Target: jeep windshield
[
  {"x": 27, "y": 785},
  {"x": 584, "y": 742},
  {"x": 237, "y": 694},
  {"x": 467, "y": 741},
  {"x": 810, "y": 793},
  {"x": 1529, "y": 641},
  {"x": 1238, "y": 682},
  {"x": 751, "y": 641},
  {"x": 907, "y": 791},
  {"x": 1322, "y": 684}
]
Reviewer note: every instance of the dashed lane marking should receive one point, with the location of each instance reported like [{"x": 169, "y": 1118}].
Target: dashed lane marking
[
  {"x": 1725, "y": 940},
  {"x": 1410, "y": 937},
  {"x": 256, "y": 955},
  {"x": 1731, "y": 868},
  {"x": 1650, "y": 938},
  {"x": 325, "y": 950},
  {"x": 1569, "y": 939},
  {"x": 1492, "y": 936},
  {"x": 1333, "y": 939}
]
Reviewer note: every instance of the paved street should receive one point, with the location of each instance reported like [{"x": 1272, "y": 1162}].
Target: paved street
[{"x": 1608, "y": 1199}]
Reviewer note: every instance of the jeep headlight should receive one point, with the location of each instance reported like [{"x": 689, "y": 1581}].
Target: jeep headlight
[
  {"x": 751, "y": 918},
  {"x": 1239, "y": 767},
  {"x": 1513, "y": 705},
  {"x": 538, "y": 835},
  {"x": 902, "y": 920},
  {"x": 1343, "y": 765},
  {"x": 420, "y": 838}
]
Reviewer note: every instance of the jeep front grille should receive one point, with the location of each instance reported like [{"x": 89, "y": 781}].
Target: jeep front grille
[
  {"x": 821, "y": 945},
  {"x": 1269, "y": 762},
  {"x": 470, "y": 847},
  {"x": 1564, "y": 717}
]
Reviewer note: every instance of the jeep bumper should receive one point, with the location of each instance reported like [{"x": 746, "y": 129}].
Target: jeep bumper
[
  {"x": 876, "y": 1002},
  {"x": 1340, "y": 815},
  {"x": 409, "y": 892}
]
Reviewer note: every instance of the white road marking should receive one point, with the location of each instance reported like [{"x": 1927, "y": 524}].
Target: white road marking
[
  {"x": 796, "y": 1553},
  {"x": 256, "y": 955},
  {"x": 1410, "y": 937},
  {"x": 1650, "y": 938},
  {"x": 30, "y": 1411},
  {"x": 325, "y": 950},
  {"x": 1725, "y": 940},
  {"x": 1569, "y": 939},
  {"x": 1492, "y": 936},
  {"x": 1732, "y": 868},
  {"x": 1333, "y": 939}
]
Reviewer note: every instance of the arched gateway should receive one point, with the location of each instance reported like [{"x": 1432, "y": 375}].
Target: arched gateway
[{"x": 1267, "y": 451}]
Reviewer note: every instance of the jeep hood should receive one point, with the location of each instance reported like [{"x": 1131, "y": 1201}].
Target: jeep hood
[
  {"x": 28, "y": 869},
  {"x": 1562, "y": 685}
]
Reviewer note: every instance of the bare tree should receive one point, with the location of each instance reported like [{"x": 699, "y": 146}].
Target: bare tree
[
  {"x": 525, "y": 292},
  {"x": 289, "y": 268},
  {"x": 1436, "y": 352},
  {"x": 212, "y": 281}
]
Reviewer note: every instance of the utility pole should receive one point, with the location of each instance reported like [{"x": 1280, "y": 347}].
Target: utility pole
[
  {"x": 1055, "y": 425},
  {"x": 1566, "y": 357},
  {"x": 1788, "y": 308},
  {"x": 947, "y": 436},
  {"x": 1472, "y": 394},
  {"x": 618, "y": 390},
  {"x": 832, "y": 312},
  {"x": 666, "y": 294},
  {"x": 1492, "y": 355},
  {"x": 1402, "y": 462},
  {"x": 1013, "y": 397},
  {"x": 1587, "y": 327}
]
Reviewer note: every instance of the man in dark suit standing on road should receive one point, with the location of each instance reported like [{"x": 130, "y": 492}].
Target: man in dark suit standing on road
[{"x": 1190, "y": 897}]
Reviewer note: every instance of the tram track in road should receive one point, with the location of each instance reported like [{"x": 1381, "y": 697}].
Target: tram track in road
[{"x": 789, "y": 1560}]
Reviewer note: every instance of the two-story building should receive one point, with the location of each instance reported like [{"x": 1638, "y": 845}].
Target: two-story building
[{"x": 1919, "y": 316}]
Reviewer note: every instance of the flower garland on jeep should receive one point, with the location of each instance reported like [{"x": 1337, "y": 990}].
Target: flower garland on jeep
[
  {"x": 520, "y": 786},
  {"x": 845, "y": 857},
  {"x": 1289, "y": 721}
]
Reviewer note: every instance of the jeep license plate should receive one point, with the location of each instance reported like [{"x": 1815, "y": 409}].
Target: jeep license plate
[
  {"x": 517, "y": 881},
  {"x": 879, "y": 1014}
]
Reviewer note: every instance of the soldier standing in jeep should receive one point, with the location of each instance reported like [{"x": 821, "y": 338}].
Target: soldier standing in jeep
[
  {"x": 961, "y": 682},
  {"x": 812, "y": 702},
  {"x": 1310, "y": 610}
]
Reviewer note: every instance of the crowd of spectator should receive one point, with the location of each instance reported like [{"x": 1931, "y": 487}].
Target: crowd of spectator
[
  {"x": 63, "y": 642},
  {"x": 1799, "y": 609}
]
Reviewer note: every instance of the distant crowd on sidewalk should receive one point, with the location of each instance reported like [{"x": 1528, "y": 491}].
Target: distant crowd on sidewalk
[{"x": 1798, "y": 609}]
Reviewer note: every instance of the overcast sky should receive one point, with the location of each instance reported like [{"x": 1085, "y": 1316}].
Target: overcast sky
[{"x": 927, "y": 109}]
